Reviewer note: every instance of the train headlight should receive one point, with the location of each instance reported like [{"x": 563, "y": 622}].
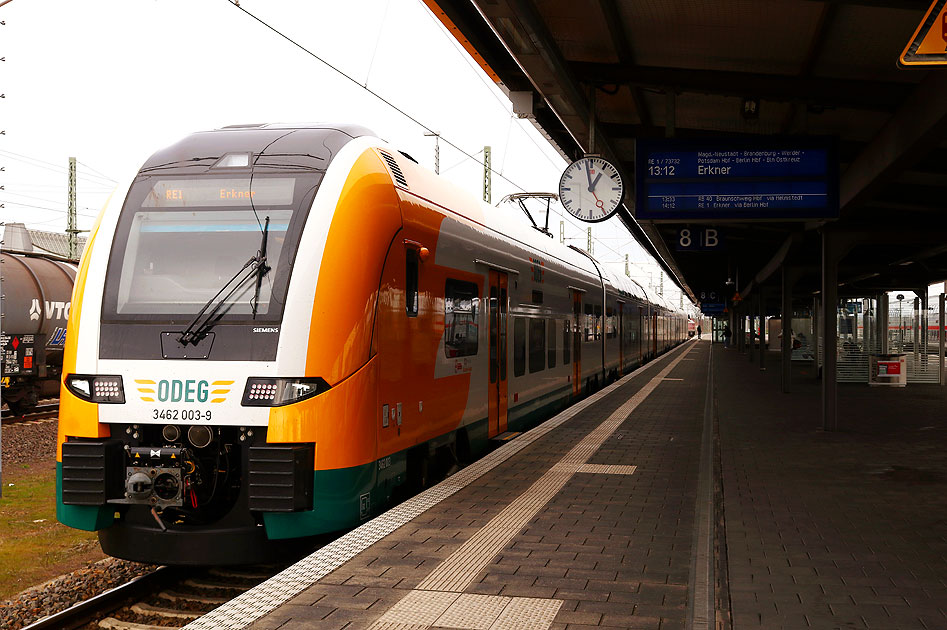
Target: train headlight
[
  {"x": 97, "y": 388},
  {"x": 275, "y": 392}
]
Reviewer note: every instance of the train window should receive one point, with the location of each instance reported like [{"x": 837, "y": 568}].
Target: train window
[
  {"x": 461, "y": 330},
  {"x": 537, "y": 297},
  {"x": 611, "y": 327},
  {"x": 494, "y": 332},
  {"x": 566, "y": 342},
  {"x": 519, "y": 346},
  {"x": 537, "y": 345},
  {"x": 411, "y": 283},
  {"x": 589, "y": 322},
  {"x": 502, "y": 321},
  {"x": 598, "y": 323},
  {"x": 551, "y": 342},
  {"x": 630, "y": 328}
]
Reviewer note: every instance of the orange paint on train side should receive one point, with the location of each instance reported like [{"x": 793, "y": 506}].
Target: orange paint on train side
[
  {"x": 366, "y": 219},
  {"x": 361, "y": 304},
  {"x": 78, "y": 417},
  {"x": 409, "y": 347},
  {"x": 341, "y": 421}
]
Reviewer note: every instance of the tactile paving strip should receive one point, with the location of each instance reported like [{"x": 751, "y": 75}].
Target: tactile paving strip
[
  {"x": 474, "y": 612},
  {"x": 526, "y": 613},
  {"x": 420, "y": 610},
  {"x": 243, "y": 610},
  {"x": 607, "y": 469},
  {"x": 419, "y": 607}
]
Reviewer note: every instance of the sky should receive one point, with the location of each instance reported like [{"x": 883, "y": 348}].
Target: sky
[{"x": 111, "y": 81}]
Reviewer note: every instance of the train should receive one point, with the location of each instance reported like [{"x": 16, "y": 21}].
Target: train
[
  {"x": 280, "y": 330},
  {"x": 37, "y": 293}
]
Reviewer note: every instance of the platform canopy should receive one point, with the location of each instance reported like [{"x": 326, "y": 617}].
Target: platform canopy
[{"x": 602, "y": 74}]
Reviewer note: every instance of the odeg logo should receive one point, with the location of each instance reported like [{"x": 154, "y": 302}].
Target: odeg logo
[
  {"x": 183, "y": 391},
  {"x": 186, "y": 391}
]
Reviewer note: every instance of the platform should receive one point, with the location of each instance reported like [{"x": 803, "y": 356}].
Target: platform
[{"x": 642, "y": 508}]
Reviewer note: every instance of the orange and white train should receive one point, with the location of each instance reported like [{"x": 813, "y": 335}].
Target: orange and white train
[{"x": 278, "y": 328}]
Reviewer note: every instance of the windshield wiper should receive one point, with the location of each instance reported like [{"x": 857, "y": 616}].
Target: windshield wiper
[
  {"x": 261, "y": 266},
  {"x": 194, "y": 332}
]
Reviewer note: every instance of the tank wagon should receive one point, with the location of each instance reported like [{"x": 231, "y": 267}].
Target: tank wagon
[
  {"x": 34, "y": 310},
  {"x": 279, "y": 328}
]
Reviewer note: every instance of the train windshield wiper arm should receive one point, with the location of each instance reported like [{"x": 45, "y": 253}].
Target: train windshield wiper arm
[
  {"x": 261, "y": 267},
  {"x": 257, "y": 264}
]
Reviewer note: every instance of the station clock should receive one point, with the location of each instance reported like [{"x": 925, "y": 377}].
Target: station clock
[{"x": 591, "y": 189}]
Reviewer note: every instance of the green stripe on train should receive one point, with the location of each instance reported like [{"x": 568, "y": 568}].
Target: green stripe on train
[{"x": 342, "y": 497}]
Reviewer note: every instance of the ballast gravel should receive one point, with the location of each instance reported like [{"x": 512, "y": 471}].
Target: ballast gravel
[
  {"x": 26, "y": 443},
  {"x": 60, "y": 593},
  {"x": 29, "y": 442}
]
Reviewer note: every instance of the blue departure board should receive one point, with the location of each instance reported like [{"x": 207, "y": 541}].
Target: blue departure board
[{"x": 759, "y": 178}]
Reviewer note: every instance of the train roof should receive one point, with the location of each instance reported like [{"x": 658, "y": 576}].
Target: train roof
[{"x": 310, "y": 145}]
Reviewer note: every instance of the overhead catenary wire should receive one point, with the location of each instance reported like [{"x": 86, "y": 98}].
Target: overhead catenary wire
[
  {"x": 381, "y": 28},
  {"x": 407, "y": 115},
  {"x": 369, "y": 90},
  {"x": 16, "y": 194},
  {"x": 49, "y": 166},
  {"x": 27, "y": 205},
  {"x": 97, "y": 172},
  {"x": 33, "y": 223}
]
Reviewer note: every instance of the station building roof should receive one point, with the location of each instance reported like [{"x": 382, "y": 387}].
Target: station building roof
[{"x": 609, "y": 72}]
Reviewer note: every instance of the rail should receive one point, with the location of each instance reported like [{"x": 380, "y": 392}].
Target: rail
[
  {"x": 104, "y": 603},
  {"x": 47, "y": 410}
]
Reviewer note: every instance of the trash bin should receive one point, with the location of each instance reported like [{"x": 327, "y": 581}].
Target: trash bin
[{"x": 888, "y": 369}]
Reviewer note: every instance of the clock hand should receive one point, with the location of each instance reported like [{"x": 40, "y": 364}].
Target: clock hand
[
  {"x": 592, "y": 184},
  {"x": 588, "y": 175}
]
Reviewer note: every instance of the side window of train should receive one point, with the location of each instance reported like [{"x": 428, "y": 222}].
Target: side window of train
[
  {"x": 589, "y": 323},
  {"x": 551, "y": 341},
  {"x": 461, "y": 330},
  {"x": 611, "y": 327},
  {"x": 598, "y": 323},
  {"x": 537, "y": 345},
  {"x": 566, "y": 342},
  {"x": 411, "y": 282},
  {"x": 519, "y": 346},
  {"x": 494, "y": 336}
]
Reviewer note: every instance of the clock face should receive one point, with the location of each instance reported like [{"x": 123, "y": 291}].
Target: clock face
[{"x": 591, "y": 189}]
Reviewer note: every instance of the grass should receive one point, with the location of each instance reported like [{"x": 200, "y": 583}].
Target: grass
[{"x": 34, "y": 546}]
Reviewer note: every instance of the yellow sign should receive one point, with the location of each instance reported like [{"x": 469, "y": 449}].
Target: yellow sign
[{"x": 928, "y": 46}]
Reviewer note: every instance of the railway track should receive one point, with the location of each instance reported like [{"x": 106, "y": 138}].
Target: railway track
[
  {"x": 168, "y": 598},
  {"x": 40, "y": 412}
]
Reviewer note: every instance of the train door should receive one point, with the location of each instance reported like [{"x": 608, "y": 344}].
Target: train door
[
  {"x": 577, "y": 338},
  {"x": 497, "y": 401},
  {"x": 621, "y": 338}
]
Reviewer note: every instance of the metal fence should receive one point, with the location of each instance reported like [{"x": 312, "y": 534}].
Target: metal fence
[
  {"x": 858, "y": 339},
  {"x": 910, "y": 327},
  {"x": 913, "y": 329}
]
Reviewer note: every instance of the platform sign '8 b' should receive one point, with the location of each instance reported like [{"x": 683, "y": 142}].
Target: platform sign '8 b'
[{"x": 697, "y": 239}]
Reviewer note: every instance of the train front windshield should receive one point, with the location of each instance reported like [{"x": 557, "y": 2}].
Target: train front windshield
[{"x": 180, "y": 240}]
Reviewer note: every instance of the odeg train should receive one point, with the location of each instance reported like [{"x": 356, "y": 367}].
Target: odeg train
[{"x": 279, "y": 328}]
